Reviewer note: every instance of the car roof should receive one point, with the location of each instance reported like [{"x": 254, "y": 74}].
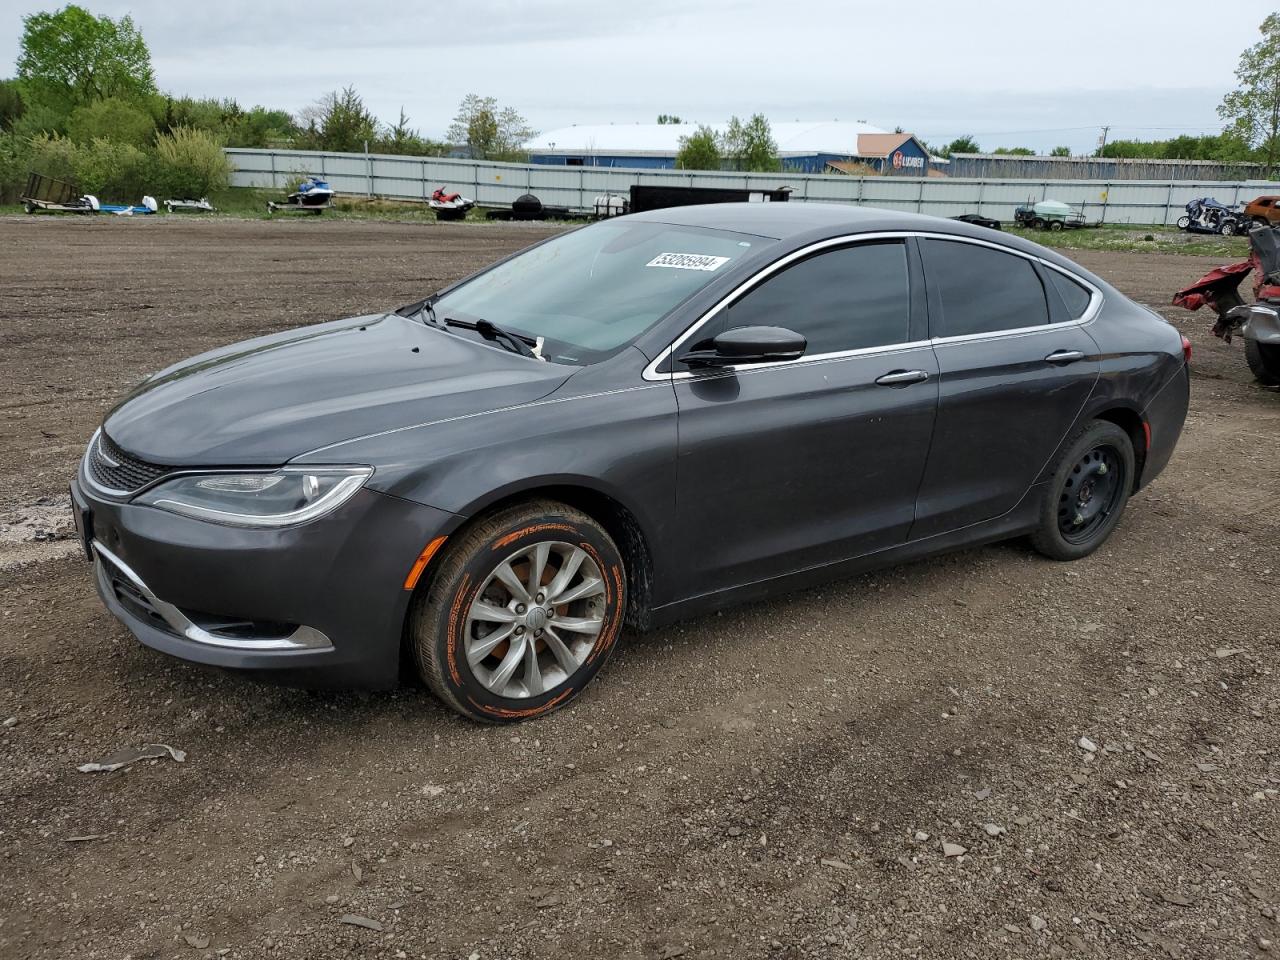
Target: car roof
[{"x": 813, "y": 220}]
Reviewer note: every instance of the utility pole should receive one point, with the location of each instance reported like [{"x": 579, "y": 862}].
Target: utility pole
[{"x": 1102, "y": 140}]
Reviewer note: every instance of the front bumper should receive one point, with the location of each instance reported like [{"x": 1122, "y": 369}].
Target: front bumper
[{"x": 322, "y": 602}]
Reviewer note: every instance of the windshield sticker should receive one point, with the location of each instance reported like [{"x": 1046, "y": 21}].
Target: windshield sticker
[{"x": 688, "y": 261}]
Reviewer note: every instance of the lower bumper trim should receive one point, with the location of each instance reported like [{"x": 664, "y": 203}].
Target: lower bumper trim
[{"x": 300, "y": 638}]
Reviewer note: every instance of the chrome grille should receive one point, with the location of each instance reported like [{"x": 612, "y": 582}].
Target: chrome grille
[{"x": 110, "y": 467}]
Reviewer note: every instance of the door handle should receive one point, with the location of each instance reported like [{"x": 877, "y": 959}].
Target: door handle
[
  {"x": 1064, "y": 356},
  {"x": 901, "y": 378}
]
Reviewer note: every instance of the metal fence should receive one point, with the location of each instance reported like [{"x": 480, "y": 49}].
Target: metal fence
[{"x": 499, "y": 184}]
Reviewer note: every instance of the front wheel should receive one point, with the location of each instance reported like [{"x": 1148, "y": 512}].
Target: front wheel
[
  {"x": 1087, "y": 494},
  {"x": 522, "y": 612},
  {"x": 1264, "y": 362},
  {"x": 1055, "y": 226},
  {"x": 1184, "y": 222}
]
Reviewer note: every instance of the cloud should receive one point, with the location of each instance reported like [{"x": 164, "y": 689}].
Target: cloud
[{"x": 1024, "y": 72}]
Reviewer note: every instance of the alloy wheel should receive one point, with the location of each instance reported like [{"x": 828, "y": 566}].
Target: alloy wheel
[{"x": 535, "y": 620}]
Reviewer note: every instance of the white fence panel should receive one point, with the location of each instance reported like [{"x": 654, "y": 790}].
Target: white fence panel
[{"x": 499, "y": 184}]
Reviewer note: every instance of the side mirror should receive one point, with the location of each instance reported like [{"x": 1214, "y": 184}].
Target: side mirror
[{"x": 749, "y": 345}]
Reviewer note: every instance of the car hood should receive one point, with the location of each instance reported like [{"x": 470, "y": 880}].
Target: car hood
[{"x": 265, "y": 401}]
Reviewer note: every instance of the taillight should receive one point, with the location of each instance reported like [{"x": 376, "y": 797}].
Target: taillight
[{"x": 1186, "y": 350}]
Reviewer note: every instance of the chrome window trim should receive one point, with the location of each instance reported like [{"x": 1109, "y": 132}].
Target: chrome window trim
[{"x": 651, "y": 373}]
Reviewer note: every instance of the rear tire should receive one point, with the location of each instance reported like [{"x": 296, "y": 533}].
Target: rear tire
[
  {"x": 522, "y": 611},
  {"x": 1227, "y": 228},
  {"x": 1055, "y": 226},
  {"x": 1183, "y": 223},
  {"x": 1264, "y": 362},
  {"x": 1088, "y": 493}
]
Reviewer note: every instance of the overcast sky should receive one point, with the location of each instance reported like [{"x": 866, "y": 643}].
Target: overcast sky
[{"x": 1011, "y": 72}]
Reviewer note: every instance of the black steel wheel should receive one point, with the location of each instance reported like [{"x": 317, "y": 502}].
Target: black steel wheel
[
  {"x": 1088, "y": 492},
  {"x": 1264, "y": 362}
]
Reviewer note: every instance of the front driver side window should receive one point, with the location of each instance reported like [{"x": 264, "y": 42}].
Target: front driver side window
[{"x": 845, "y": 299}]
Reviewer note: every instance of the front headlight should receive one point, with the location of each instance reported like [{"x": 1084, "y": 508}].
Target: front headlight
[{"x": 277, "y": 498}]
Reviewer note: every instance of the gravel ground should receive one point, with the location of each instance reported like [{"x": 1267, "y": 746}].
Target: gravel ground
[{"x": 984, "y": 755}]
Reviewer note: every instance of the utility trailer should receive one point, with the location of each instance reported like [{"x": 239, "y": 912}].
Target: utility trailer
[
  {"x": 46, "y": 193},
  {"x": 1051, "y": 215},
  {"x": 195, "y": 206}
]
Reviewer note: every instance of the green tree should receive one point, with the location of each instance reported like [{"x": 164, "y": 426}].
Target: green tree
[
  {"x": 965, "y": 144},
  {"x": 665, "y": 118},
  {"x": 1015, "y": 151},
  {"x": 1060, "y": 152},
  {"x": 111, "y": 119},
  {"x": 262, "y": 127},
  {"x": 487, "y": 131},
  {"x": 341, "y": 122},
  {"x": 1252, "y": 110},
  {"x": 11, "y": 104},
  {"x": 759, "y": 149},
  {"x": 71, "y": 58},
  {"x": 699, "y": 151}
]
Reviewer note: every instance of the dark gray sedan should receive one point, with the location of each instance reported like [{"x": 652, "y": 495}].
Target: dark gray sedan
[{"x": 640, "y": 420}]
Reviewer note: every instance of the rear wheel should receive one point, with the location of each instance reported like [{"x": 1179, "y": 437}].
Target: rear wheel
[
  {"x": 1088, "y": 493},
  {"x": 522, "y": 612},
  {"x": 1227, "y": 228},
  {"x": 1184, "y": 222},
  {"x": 1264, "y": 362},
  {"x": 1037, "y": 224},
  {"x": 1055, "y": 225}
]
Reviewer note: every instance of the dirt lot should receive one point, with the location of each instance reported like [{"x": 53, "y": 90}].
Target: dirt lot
[{"x": 778, "y": 781}]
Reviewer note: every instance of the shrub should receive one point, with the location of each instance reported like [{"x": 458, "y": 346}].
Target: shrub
[
  {"x": 191, "y": 163},
  {"x": 113, "y": 120},
  {"x": 110, "y": 171},
  {"x": 118, "y": 172},
  {"x": 15, "y": 164}
]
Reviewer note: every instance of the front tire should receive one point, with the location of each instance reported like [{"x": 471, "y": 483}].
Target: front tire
[
  {"x": 1264, "y": 362},
  {"x": 1087, "y": 496},
  {"x": 1183, "y": 223},
  {"x": 523, "y": 610}
]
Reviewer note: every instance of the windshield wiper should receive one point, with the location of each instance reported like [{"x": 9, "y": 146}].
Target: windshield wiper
[
  {"x": 423, "y": 311},
  {"x": 492, "y": 332}
]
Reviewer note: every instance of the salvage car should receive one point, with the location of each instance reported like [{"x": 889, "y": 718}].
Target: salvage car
[
  {"x": 1263, "y": 210},
  {"x": 636, "y": 421}
]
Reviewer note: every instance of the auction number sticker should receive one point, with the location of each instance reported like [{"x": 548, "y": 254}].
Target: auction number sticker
[{"x": 688, "y": 261}]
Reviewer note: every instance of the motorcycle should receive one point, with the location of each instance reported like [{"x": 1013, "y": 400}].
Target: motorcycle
[
  {"x": 449, "y": 205},
  {"x": 1207, "y": 215},
  {"x": 1257, "y": 323}
]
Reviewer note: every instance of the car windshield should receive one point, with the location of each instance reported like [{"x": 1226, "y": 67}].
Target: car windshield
[{"x": 590, "y": 292}]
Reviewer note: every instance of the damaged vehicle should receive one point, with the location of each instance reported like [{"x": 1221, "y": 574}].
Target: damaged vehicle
[
  {"x": 1258, "y": 324},
  {"x": 637, "y": 421},
  {"x": 1207, "y": 215}
]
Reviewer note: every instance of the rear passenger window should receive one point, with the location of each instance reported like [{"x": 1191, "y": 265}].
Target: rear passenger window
[
  {"x": 1073, "y": 295},
  {"x": 981, "y": 290},
  {"x": 846, "y": 299}
]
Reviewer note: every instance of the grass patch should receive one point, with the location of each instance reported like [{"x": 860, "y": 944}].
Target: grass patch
[{"x": 1140, "y": 240}]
